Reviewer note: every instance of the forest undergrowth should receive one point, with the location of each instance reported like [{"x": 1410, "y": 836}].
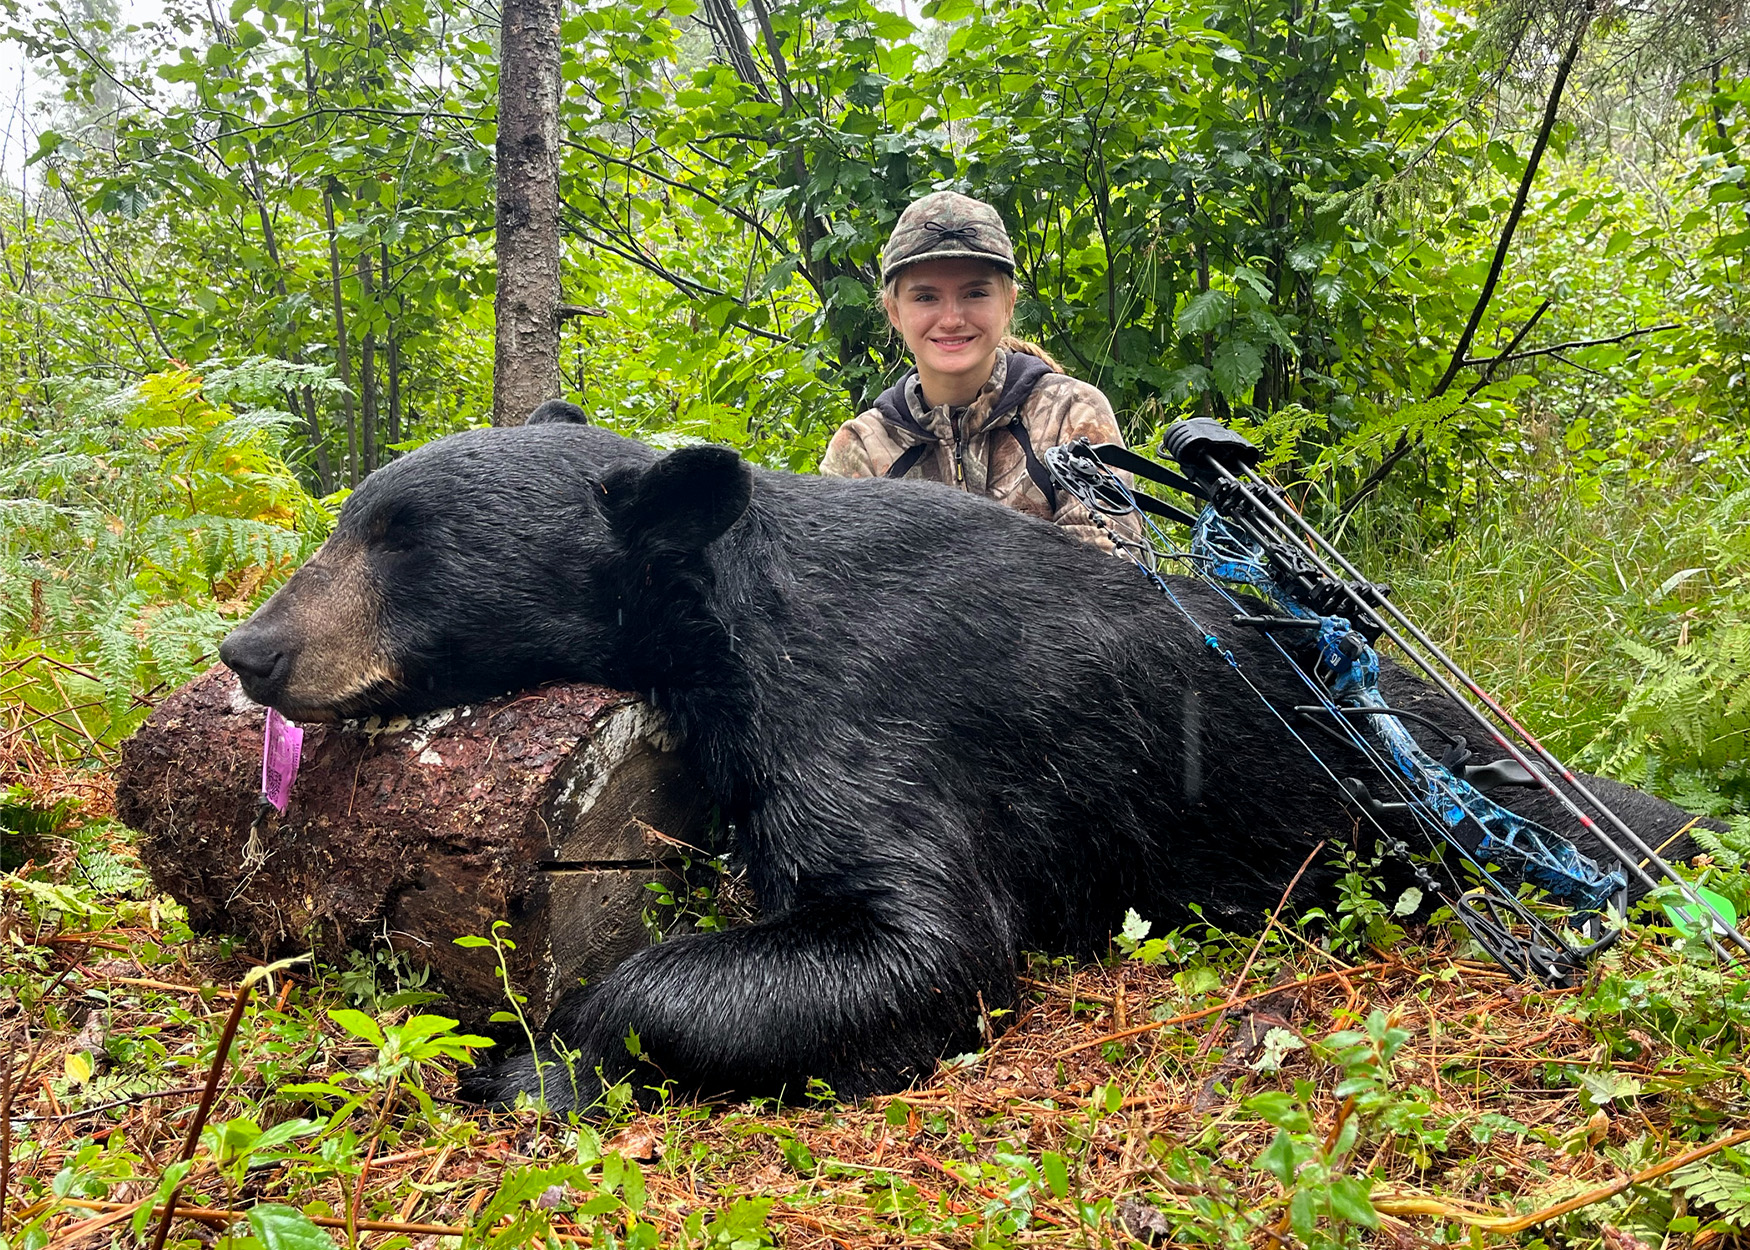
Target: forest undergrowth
[{"x": 1336, "y": 1081}]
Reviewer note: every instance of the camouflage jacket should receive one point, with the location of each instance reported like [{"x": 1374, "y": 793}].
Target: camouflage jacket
[{"x": 1026, "y": 406}]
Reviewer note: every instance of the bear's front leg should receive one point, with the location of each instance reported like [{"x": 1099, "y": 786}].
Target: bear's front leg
[{"x": 863, "y": 995}]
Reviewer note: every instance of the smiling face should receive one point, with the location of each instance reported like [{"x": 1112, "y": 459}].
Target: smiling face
[{"x": 953, "y": 315}]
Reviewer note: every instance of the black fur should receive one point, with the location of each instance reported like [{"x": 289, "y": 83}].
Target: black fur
[
  {"x": 557, "y": 411},
  {"x": 945, "y": 733}
]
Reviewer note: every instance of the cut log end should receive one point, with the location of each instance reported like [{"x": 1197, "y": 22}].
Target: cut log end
[{"x": 551, "y": 811}]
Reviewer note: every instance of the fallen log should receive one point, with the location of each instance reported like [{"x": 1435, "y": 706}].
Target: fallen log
[{"x": 551, "y": 810}]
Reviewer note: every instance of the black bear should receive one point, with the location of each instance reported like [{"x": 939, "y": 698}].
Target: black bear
[{"x": 942, "y": 733}]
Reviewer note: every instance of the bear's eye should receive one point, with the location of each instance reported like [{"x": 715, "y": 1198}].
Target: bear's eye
[{"x": 399, "y": 531}]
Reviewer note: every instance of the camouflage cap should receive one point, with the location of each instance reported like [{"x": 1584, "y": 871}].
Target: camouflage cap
[{"x": 943, "y": 226}]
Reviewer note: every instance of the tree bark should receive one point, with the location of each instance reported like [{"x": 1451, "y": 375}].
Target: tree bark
[
  {"x": 341, "y": 364},
  {"x": 526, "y": 347},
  {"x": 394, "y": 365},
  {"x": 550, "y": 810},
  {"x": 368, "y": 367}
]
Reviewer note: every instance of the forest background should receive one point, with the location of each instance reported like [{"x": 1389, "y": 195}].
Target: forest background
[
  {"x": 1500, "y": 304},
  {"x": 1474, "y": 274}
]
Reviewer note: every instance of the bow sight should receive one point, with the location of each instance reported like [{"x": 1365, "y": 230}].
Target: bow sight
[{"x": 1325, "y": 619}]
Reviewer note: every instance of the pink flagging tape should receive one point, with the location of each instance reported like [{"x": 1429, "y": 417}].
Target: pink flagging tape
[{"x": 282, "y": 744}]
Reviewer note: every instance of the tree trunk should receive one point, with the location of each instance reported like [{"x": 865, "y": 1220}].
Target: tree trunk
[
  {"x": 394, "y": 359},
  {"x": 550, "y": 810},
  {"x": 341, "y": 364},
  {"x": 324, "y": 472},
  {"x": 303, "y": 406},
  {"x": 526, "y": 348},
  {"x": 368, "y": 367}
]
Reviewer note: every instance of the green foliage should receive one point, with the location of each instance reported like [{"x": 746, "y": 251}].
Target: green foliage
[
  {"x": 140, "y": 525},
  {"x": 1721, "y": 1184},
  {"x": 1361, "y": 919},
  {"x": 1276, "y": 213},
  {"x": 1685, "y": 725},
  {"x": 1325, "y": 1206},
  {"x": 404, "y": 1052}
]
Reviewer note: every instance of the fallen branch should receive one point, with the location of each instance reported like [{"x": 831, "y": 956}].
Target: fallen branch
[
  {"x": 209, "y": 1215},
  {"x": 1210, "y": 1011},
  {"x": 1396, "y": 1203},
  {"x": 112, "y": 1105}
]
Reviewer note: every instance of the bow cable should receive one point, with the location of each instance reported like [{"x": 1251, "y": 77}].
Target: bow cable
[
  {"x": 1275, "y": 515},
  {"x": 1246, "y": 536},
  {"x": 1486, "y": 912}
]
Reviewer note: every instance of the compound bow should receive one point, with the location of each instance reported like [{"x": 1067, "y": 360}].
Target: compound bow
[{"x": 1324, "y": 620}]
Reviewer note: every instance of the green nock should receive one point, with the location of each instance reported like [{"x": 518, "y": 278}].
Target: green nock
[{"x": 1687, "y": 918}]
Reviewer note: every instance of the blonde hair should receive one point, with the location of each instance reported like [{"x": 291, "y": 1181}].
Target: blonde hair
[{"x": 1006, "y": 282}]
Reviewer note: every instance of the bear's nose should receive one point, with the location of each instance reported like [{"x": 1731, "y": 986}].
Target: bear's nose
[{"x": 251, "y": 654}]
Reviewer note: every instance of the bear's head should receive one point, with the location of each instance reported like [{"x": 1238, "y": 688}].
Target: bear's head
[{"x": 488, "y": 561}]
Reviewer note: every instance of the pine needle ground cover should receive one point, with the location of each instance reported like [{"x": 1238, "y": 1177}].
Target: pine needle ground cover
[{"x": 1338, "y": 1081}]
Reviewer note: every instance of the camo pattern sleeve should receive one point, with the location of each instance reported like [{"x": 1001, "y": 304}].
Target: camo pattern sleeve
[{"x": 865, "y": 446}]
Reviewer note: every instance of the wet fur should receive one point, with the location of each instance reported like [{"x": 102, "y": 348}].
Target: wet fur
[{"x": 944, "y": 733}]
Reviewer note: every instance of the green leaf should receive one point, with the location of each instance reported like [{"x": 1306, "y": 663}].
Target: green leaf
[
  {"x": 892, "y": 26},
  {"x": 1303, "y": 1214},
  {"x": 1351, "y": 1200},
  {"x": 471, "y": 941},
  {"x": 358, "y": 1024},
  {"x": 1279, "y": 1108},
  {"x": 285, "y": 1228},
  {"x": 1689, "y": 919},
  {"x": 1238, "y": 364},
  {"x": 1204, "y": 312},
  {"x": 284, "y": 1132},
  {"x": 1281, "y": 1158},
  {"x": 47, "y": 144},
  {"x": 950, "y": 10},
  {"x": 1056, "y": 1170},
  {"x": 601, "y": 1204},
  {"x": 421, "y": 1028},
  {"x": 1604, "y": 1087}
]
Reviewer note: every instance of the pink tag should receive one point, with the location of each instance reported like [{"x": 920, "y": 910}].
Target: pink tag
[{"x": 281, "y": 744}]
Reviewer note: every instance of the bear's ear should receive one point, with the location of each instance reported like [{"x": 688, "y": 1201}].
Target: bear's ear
[
  {"x": 557, "y": 412},
  {"x": 685, "y": 500}
]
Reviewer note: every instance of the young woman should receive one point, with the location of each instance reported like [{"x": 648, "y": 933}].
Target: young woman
[{"x": 980, "y": 408}]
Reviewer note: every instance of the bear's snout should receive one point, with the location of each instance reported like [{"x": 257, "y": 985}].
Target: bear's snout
[
  {"x": 314, "y": 650},
  {"x": 259, "y": 660}
]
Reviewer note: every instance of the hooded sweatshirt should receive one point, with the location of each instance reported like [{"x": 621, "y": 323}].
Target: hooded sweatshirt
[{"x": 1024, "y": 407}]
